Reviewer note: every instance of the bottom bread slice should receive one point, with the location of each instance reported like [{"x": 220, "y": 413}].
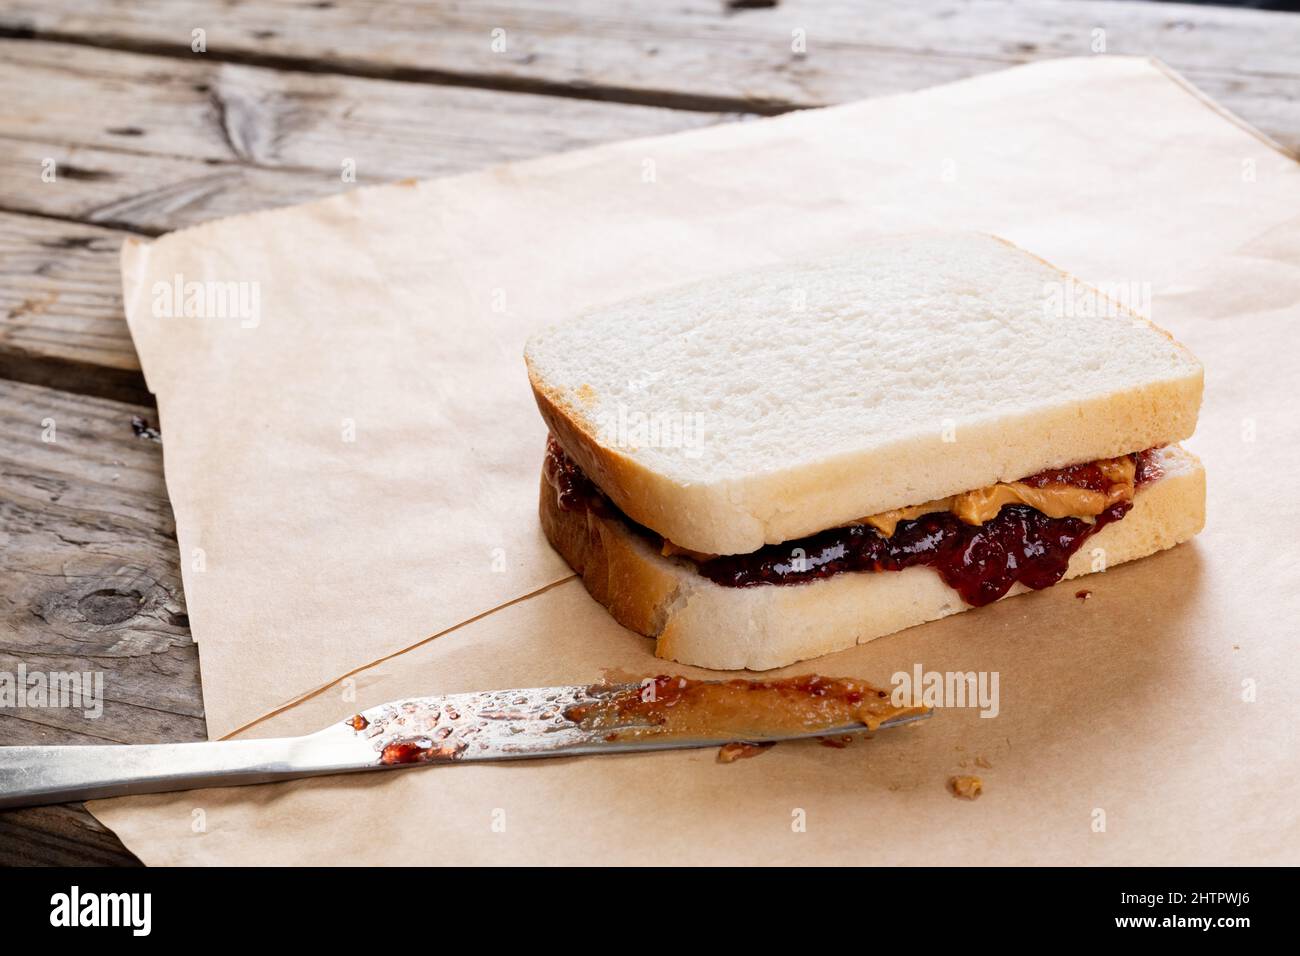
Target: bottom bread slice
[{"x": 698, "y": 622}]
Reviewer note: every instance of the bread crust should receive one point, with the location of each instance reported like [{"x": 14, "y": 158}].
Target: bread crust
[{"x": 697, "y": 622}]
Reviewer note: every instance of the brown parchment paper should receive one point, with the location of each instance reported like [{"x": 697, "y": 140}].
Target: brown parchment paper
[{"x": 355, "y": 480}]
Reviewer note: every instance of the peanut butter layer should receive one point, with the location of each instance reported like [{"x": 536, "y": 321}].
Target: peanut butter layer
[
  {"x": 1055, "y": 498},
  {"x": 1080, "y": 491}
]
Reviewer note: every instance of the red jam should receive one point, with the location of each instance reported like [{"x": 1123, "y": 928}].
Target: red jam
[
  {"x": 1087, "y": 476},
  {"x": 574, "y": 490},
  {"x": 418, "y": 751},
  {"x": 980, "y": 562},
  {"x": 1148, "y": 468}
]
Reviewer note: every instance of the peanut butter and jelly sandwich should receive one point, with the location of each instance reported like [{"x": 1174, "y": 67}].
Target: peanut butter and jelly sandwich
[{"x": 774, "y": 465}]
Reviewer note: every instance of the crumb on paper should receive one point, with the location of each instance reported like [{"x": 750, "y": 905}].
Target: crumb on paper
[
  {"x": 1083, "y": 595},
  {"x": 838, "y": 743},
  {"x": 983, "y": 763},
  {"x": 967, "y": 788},
  {"x": 730, "y": 753}
]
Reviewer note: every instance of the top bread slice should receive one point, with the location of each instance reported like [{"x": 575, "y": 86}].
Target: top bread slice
[{"x": 768, "y": 405}]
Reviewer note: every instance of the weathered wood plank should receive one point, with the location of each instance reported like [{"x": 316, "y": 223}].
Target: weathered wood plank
[
  {"x": 89, "y": 582},
  {"x": 696, "y": 53},
  {"x": 168, "y": 143},
  {"x": 89, "y": 571},
  {"x": 59, "y": 836},
  {"x": 61, "y": 320},
  {"x": 139, "y": 192}
]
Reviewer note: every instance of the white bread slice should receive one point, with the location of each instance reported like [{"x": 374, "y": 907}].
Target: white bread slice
[
  {"x": 907, "y": 370},
  {"x": 698, "y": 622}
]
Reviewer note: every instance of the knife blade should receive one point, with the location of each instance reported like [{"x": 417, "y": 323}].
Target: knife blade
[{"x": 661, "y": 713}]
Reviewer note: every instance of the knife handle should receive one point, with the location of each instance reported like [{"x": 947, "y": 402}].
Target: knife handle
[{"x": 30, "y": 776}]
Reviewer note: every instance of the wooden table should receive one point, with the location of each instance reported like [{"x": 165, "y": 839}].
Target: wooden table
[{"x": 147, "y": 135}]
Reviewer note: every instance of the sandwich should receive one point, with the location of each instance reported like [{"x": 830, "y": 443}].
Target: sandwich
[{"x": 782, "y": 463}]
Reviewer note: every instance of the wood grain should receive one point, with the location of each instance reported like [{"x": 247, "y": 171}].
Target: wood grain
[
  {"x": 89, "y": 582},
  {"x": 59, "y": 836},
  {"x": 89, "y": 571},
  {"x": 175, "y": 142},
  {"x": 61, "y": 318},
  {"x": 698, "y": 54}
]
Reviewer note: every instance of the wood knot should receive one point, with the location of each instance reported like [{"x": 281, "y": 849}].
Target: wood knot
[{"x": 110, "y": 605}]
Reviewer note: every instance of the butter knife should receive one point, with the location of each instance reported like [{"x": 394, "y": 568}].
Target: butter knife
[{"x": 662, "y": 713}]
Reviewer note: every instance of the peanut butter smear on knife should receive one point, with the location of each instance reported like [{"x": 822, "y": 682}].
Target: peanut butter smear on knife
[{"x": 744, "y": 709}]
